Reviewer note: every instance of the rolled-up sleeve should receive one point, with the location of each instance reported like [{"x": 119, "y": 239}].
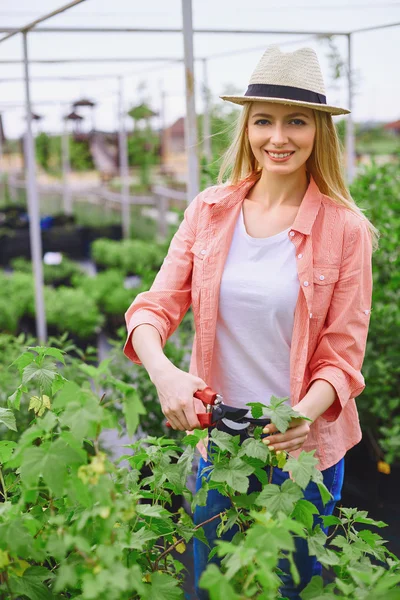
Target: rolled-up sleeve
[
  {"x": 340, "y": 351},
  {"x": 169, "y": 298}
]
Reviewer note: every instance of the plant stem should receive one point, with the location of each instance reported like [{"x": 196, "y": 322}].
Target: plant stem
[
  {"x": 182, "y": 539},
  {"x": 4, "y": 494}
]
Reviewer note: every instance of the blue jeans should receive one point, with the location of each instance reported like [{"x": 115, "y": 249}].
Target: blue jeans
[{"x": 307, "y": 565}]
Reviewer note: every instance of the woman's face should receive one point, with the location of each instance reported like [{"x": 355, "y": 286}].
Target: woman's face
[{"x": 281, "y": 137}]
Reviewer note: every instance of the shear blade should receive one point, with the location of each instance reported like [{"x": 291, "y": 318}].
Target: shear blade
[{"x": 233, "y": 414}]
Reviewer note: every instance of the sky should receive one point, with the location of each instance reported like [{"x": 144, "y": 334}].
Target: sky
[{"x": 231, "y": 57}]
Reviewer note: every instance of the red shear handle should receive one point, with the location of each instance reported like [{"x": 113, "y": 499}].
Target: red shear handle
[{"x": 207, "y": 396}]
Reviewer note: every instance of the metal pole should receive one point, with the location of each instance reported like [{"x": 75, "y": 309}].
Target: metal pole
[
  {"x": 123, "y": 164},
  {"x": 162, "y": 124},
  {"x": 33, "y": 207},
  {"x": 2, "y": 183},
  {"x": 206, "y": 115},
  {"x": 350, "y": 144},
  {"x": 193, "y": 185},
  {"x": 66, "y": 170}
]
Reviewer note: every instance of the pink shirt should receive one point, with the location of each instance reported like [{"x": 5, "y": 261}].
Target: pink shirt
[{"x": 333, "y": 250}]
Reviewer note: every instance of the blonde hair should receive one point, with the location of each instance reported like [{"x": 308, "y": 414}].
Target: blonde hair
[{"x": 324, "y": 163}]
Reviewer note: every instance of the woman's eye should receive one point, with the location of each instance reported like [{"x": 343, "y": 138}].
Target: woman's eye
[
  {"x": 298, "y": 121},
  {"x": 260, "y": 121}
]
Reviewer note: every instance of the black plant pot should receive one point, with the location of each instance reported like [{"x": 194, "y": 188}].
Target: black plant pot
[
  {"x": 68, "y": 240},
  {"x": 17, "y": 244}
]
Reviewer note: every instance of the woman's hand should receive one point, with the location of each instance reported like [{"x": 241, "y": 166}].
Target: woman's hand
[
  {"x": 176, "y": 391},
  {"x": 293, "y": 438}
]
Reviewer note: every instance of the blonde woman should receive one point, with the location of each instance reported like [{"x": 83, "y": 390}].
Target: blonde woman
[{"x": 276, "y": 263}]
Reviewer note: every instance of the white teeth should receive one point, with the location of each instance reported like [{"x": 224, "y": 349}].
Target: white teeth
[{"x": 274, "y": 155}]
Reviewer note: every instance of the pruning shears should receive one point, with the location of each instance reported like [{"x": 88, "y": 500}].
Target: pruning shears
[{"x": 216, "y": 409}]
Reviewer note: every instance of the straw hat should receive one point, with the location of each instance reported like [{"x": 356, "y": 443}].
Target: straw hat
[{"x": 288, "y": 78}]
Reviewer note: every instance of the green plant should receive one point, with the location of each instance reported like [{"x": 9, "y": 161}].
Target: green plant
[
  {"x": 377, "y": 190},
  {"x": 75, "y": 524},
  {"x": 52, "y": 274}
]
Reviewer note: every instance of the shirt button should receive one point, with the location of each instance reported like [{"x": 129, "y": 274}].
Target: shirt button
[
  {"x": 306, "y": 283},
  {"x": 310, "y": 315},
  {"x": 366, "y": 312},
  {"x": 203, "y": 252},
  {"x": 321, "y": 277},
  {"x": 291, "y": 233},
  {"x": 299, "y": 256}
]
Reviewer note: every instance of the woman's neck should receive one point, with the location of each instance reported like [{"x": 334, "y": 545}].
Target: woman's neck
[{"x": 273, "y": 190}]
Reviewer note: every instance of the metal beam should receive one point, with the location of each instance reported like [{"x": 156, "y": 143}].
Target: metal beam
[
  {"x": 375, "y": 27},
  {"x": 123, "y": 164},
  {"x": 33, "y": 24},
  {"x": 193, "y": 183},
  {"x": 350, "y": 144},
  {"x": 171, "y": 30},
  {"x": 33, "y": 207},
  {"x": 55, "y": 61}
]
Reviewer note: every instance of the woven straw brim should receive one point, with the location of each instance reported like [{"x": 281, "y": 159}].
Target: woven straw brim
[{"x": 333, "y": 110}]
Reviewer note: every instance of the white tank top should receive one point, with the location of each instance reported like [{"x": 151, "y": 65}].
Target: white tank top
[{"x": 258, "y": 295}]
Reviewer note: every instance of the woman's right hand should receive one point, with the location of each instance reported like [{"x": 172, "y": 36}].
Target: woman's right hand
[{"x": 176, "y": 391}]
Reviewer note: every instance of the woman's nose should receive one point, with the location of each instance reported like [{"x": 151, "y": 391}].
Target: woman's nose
[{"x": 278, "y": 135}]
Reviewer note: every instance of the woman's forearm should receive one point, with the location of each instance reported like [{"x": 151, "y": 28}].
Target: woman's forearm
[
  {"x": 146, "y": 342},
  {"x": 320, "y": 396}
]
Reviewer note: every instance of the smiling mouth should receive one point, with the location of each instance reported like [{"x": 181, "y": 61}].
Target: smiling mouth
[{"x": 279, "y": 154}]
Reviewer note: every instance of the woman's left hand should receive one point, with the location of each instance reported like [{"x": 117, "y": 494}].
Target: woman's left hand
[{"x": 293, "y": 438}]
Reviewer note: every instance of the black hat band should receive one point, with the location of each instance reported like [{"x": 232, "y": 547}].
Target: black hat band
[{"x": 266, "y": 90}]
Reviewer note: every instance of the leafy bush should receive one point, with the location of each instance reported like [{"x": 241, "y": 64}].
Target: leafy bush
[
  {"x": 52, "y": 274},
  {"x": 74, "y": 524},
  {"x": 130, "y": 256},
  {"x": 377, "y": 190}
]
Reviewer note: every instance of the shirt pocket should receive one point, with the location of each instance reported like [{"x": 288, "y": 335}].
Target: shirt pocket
[{"x": 324, "y": 279}]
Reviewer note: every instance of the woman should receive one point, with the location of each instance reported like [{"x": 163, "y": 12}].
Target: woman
[{"x": 277, "y": 266}]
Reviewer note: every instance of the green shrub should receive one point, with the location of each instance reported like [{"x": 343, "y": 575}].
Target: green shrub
[
  {"x": 377, "y": 190},
  {"x": 130, "y": 256},
  {"x": 52, "y": 274},
  {"x": 74, "y": 524}
]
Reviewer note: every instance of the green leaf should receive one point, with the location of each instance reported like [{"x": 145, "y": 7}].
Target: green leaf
[
  {"x": 302, "y": 468},
  {"x": 50, "y": 461},
  {"x": 254, "y": 449},
  {"x": 8, "y": 419},
  {"x": 14, "y": 401},
  {"x": 30, "y": 585},
  {"x": 43, "y": 375},
  {"x": 139, "y": 539},
  {"x": 54, "y": 352},
  {"x": 152, "y": 510},
  {"x": 66, "y": 578},
  {"x": 164, "y": 587},
  {"x": 257, "y": 409},
  {"x": 22, "y": 361},
  {"x": 280, "y": 498},
  {"x": 235, "y": 474},
  {"x": 6, "y": 450},
  {"x": 304, "y": 512},
  {"x": 280, "y": 413},
  {"x": 225, "y": 441},
  {"x": 132, "y": 408},
  {"x": 217, "y": 585},
  {"x": 69, "y": 393}
]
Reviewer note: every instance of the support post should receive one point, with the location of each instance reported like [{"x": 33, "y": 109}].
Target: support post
[
  {"x": 193, "y": 184},
  {"x": 350, "y": 142},
  {"x": 33, "y": 206},
  {"x": 66, "y": 169},
  {"x": 206, "y": 114},
  {"x": 123, "y": 165}
]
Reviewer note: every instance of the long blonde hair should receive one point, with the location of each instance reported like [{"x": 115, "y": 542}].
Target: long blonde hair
[{"x": 324, "y": 163}]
